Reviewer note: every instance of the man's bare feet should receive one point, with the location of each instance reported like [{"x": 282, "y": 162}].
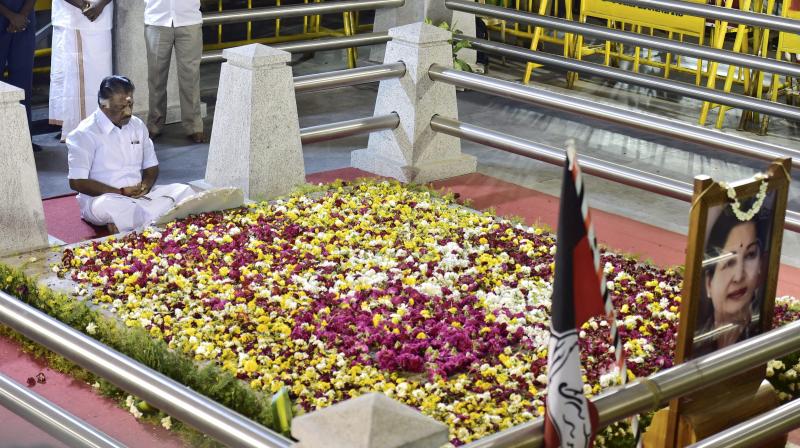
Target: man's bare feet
[
  {"x": 112, "y": 229},
  {"x": 198, "y": 137}
]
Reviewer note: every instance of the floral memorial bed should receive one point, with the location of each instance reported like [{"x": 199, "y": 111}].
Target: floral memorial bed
[{"x": 376, "y": 286}]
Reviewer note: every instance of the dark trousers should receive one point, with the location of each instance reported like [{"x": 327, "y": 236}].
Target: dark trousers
[{"x": 16, "y": 58}]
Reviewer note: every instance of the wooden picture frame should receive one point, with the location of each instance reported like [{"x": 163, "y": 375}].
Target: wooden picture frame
[{"x": 717, "y": 245}]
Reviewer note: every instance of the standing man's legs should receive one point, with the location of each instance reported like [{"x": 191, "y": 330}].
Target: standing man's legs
[
  {"x": 57, "y": 76},
  {"x": 159, "y": 41},
  {"x": 188, "y": 51}
]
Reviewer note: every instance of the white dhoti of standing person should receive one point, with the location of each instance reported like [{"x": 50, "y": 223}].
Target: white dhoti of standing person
[
  {"x": 113, "y": 165},
  {"x": 81, "y": 58}
]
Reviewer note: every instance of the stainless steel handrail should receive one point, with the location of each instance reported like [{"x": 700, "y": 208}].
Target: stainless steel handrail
[
  {"x": 348, "y": 128},
  {"x": 650, "y": 393},
  {"x": 629, "y": 119},
  {"x": 51, "y": 418},
  {"x": 653, "y": 82},
  {"x": 770, "y": 424},
  {"x": 177, "y": 400},
  {"x": 638, "y": 40},
  {"x": 590, "y": 165},
  {"x": 768, "y": 21},
  {"x": 610, "y": 171},
  {"x": 328, "y": 43},
  {"x": 282, "y": 12},
  {"x": 350, "y": 77}
]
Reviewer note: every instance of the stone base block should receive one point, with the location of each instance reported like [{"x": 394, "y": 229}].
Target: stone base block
[{"x": 374, "y": 162}]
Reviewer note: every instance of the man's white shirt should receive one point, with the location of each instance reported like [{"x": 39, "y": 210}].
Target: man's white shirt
[
  {"x": 172, "y": 13},
  {"x": 67, "y": 16},
  {"x": 99, "y": 150}
]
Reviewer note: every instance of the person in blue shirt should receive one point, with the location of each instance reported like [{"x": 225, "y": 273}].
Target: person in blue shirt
[{"x": 17, "y": 42}]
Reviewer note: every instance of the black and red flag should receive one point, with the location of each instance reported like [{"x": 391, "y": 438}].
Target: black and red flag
[{"x": 578, "y": 294}]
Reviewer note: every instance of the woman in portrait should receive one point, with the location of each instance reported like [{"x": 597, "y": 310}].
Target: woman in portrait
[{"x": 733, "y": 281}]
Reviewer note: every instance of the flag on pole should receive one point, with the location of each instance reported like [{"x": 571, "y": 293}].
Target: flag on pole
[{"x": 579, "y": 292}]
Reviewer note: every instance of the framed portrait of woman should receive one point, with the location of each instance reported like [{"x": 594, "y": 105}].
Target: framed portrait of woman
[
  {"x": 732, "y": 261},
  {"x": 730, "y": 280}
]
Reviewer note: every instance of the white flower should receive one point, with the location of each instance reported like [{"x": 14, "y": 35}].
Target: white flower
[
  {"x": 166, "y": 422},
  {"x": 91, "y": 328},
  {"x": 134, "y": 411},
  {"x": 129, "y": 401}
]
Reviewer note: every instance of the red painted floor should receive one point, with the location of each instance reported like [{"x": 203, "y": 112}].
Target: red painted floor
[
  {"x": 663, "y": 247},
  {"x": 77, "y": 398}
]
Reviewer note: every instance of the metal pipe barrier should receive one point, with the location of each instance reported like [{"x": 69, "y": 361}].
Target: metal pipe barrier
[
  {"x": 630, "y": 119},
  {"x": 655, "y": 391},
  {"x": 768, "y": 425},
  {"x": 590, "y": 165},
  {"x": 637, "y": 40},
  {"x": 610, "y": 171},
  {"x": 768, "y": 21},
  {"x": 308, "y": 9},
  {"x": 351, "y": 77},
  {"x": 348, "y": 128},
  {"x": 51, "y": 418},
  {"x": 177, "y": 400},
  {"x": 333, "y": 43},
  {"x": 653, "y": 82}
]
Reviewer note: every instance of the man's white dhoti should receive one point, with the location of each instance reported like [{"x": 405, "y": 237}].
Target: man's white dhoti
[
  {"x": 80, "y": 61},
  {"x": 129, "y": 213}
]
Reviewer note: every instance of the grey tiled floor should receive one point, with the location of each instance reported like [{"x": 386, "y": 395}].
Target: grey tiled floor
[{"x": 181, "y": 161}]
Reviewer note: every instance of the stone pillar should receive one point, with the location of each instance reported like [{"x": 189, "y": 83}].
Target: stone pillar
[
  {"x": 130, "y": 54},
  {"x": 130, "y": 60},
  {"x": 414, "y": 152},
  {"x": 255, "y": 141},
  {"x": 369, "y": 421},
  {"x": 412, "y": 11},
  {"x": 22, "y": 225}
]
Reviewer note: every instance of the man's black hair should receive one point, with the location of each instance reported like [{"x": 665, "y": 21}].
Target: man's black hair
[{"x": 113, "y": 84}]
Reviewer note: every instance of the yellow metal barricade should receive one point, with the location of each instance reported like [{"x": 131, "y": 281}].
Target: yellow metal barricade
[
  {"x": 788, "y": 43},
  {"x": 751, "y": 79},
  {"x": 312, "y": 29},
  {"x": 539, "y": 34},
  {"x": 740, "y": 45},
  {"x": 637, "y": 19}
]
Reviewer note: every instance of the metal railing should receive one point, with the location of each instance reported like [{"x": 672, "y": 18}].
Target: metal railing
[
  {"x": 348, "y": 128},
  {"x": 768, "y": 21},
  {"x": 350, "y": 77},
  {"x": 309, "y": 9},
  {"x": 51, "y": 418},
  {"x": 629, "y": 119},
  {"x": 333, "y": 43},
  {"x": 177, "y": 400},
  {"x": 655, "y": 391},
  {"x": 610, "y": 171},
  {"x": 653, "y": 82},
  {"x": 590, "y": 165},
  {"x": 637, "y": 40},
  {"x": 770, "y": 424}
]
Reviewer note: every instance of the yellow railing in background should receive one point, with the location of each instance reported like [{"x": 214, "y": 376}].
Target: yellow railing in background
[{"x": 312, "y": 29}]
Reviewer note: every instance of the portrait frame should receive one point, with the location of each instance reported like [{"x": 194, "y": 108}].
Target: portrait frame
[{"x": 710, "y": 198}]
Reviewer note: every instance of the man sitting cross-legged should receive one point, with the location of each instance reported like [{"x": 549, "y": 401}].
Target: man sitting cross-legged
[{"x": 113, "y": 165}]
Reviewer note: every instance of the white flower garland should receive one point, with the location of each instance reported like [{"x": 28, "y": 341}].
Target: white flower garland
[{"x": 736, "y": 206}]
